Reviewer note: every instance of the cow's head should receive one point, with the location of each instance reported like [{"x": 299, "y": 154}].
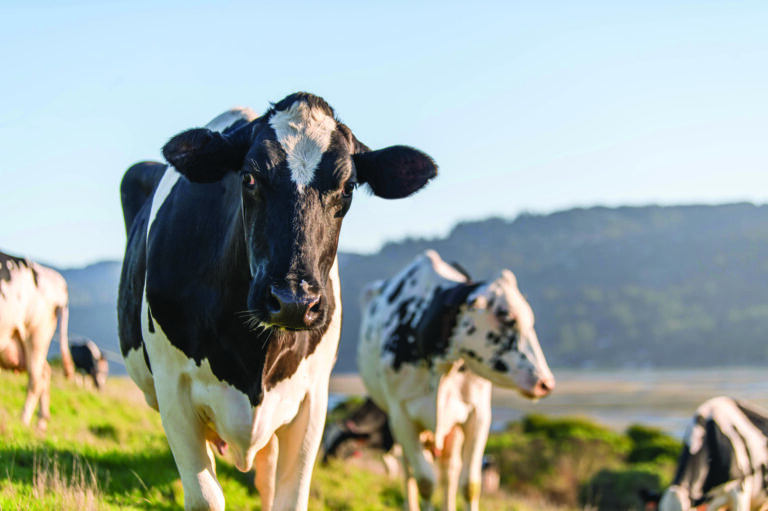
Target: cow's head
[
  {"x": 298, "y": 167},
  {"x": 498, "y": 341}
]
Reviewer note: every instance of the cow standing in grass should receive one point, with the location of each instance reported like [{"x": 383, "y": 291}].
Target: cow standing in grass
[
  {"x": 33, "y": 299},
  {"x": 229, "y": 302},
  {"x": 431, "y": 344},
  {"x": 724, "y": 463}
]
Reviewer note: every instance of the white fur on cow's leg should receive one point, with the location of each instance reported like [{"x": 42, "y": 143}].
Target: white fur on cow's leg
[
  {"x": 37, "y": 373},
  {"x": 193, "y": 456},
  {"x": 476, "y": 432},
  {"x": 738, "y": 495},
  {"x": 420, "y": 467},
  {"x": 265, "y": 464},
  {"x": 44, "y": 410},
  {"x": 298, "y": 445},
  {"x": 411, "y": 497},
  {"x": 450, "y": 467}
]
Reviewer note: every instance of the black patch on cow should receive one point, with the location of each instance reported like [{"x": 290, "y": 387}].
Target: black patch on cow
[
  {"x": 471, "y": 354},
  {"x": 151, "y": 324},
  {"x": 439, "y": 319},
  {"x": 394, "y": 294},
  {"x": 7, "y": 260},
  {"x": 471, "y": 330},
  {"x": 500, "y": 366},
  {"x": 459, "y": 268},
  {"x": 397, "y": 343},
  {"x": 138, "y": 185}
]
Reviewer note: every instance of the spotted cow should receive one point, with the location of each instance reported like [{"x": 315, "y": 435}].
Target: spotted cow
[
  {"x": 724, "y": 462},
  {"x": 33, "y": 298},
  {"x": 229, "y": 306},
  {"x": 432, "y": 343}
]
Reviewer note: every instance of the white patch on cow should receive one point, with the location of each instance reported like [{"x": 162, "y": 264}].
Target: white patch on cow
[{"x": 305, "y": 134}]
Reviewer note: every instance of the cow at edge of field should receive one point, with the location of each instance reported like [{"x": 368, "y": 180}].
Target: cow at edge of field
[
  {"x": 366, "y": 426},
  {"x": 229, "y": 303},
  {"x": 724, "y": 462},
  {"x": 33, "y": 298},
  {"x": 90, "y": 361},
  {"x": 431, "y": 344}
]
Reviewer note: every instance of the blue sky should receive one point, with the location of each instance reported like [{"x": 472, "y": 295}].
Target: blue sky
[{"x": 526, "y": 106}]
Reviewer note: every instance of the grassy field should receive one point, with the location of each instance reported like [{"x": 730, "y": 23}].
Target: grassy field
[{"x": 107, "y": 451}]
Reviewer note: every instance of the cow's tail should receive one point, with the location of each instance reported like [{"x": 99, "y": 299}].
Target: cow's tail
[{"x": 66, "y": 356}]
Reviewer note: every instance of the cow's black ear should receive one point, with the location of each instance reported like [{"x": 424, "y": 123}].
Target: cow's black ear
[
  {"x": 204, "y": 156},
  {"x": 394, "y": 172}
]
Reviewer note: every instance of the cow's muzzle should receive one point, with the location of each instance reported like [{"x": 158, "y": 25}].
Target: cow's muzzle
[{"x": 294, "y": 310}]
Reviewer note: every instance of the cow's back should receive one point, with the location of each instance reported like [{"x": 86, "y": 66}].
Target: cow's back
[{"x": 30, "y": 295}]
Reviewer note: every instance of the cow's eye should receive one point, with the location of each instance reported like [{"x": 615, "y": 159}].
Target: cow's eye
[
  {"x": 349, "y": 187},
  {"x": 248, "y": 180}
]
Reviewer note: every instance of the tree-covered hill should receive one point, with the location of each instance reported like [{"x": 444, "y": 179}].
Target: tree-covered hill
[{"x": 669, "y": 286}]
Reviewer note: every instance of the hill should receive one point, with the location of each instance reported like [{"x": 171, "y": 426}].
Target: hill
[{"x": 653, "y": 286}]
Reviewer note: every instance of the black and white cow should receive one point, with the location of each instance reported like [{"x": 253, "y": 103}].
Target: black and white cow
[
  {"x": 229, "y": 307},
  {"x": 90, "y": 361},
  {"x": 367, "y": 426},
  {"x": 431, "y": 345},
  {"x": 724, "y": 463},
  {"x": 33, "y": 298}
]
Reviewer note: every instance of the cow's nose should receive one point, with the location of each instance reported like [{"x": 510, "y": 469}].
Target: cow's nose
[
  {"x": 544, "y": 386},
  {"x": 297, "y": 311}
]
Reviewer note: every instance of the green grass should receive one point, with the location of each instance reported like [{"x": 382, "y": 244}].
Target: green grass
[{"x": 107, "y": 450}]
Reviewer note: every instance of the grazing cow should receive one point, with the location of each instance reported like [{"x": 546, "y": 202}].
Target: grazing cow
[
  {"x": 367, "y": 425},
  {"x": 432, "y": 342},
  {"x": 229, "y": 303},
  {"x": 32, "y": 299},
  {"x": 90, "y": 361},
  {"x": 724, "y": 463}
]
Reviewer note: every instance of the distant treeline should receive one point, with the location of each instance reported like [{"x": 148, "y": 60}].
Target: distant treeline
[{"x": 678, "y": 286}]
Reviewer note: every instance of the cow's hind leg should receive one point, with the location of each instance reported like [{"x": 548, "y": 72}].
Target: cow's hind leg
[
  {"x": 44, "y": 409},
  {"x": 37, "y": 374},
  {"x": 450, "y": 465}
]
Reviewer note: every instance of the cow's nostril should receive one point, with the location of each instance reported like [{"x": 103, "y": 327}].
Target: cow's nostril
[
  {"x": 273, "y": 304},
  {"x": 313, "y": 312}
]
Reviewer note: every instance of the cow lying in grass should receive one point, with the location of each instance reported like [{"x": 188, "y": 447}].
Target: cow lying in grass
[
  {"x": 432, "y": 343},
  {"x": 724, "y": 463}
]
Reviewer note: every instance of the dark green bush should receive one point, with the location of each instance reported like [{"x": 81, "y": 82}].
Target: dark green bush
[{"x": 618, "y": 489}]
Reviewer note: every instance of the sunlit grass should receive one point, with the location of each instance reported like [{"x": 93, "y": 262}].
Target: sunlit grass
[{"x": 106, "y": 451}]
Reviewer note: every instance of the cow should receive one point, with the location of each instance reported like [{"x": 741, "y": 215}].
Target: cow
[
  {"x": 724, "y": 461},
  {"x": 367, "y": 425},
  {"x": 229, "y": 309},
  {"x": 33, "y": 298},
  {"x": 90, "y": 361},
  {"x": 432, "y": 342}
]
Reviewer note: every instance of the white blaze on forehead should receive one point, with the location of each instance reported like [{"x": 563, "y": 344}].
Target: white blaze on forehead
[{"x": 305, "y": 134}]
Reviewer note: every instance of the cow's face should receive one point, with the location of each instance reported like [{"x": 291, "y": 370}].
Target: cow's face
[
  {"x": 499, "y": 341},
  {"x": 298, "y": 168}
]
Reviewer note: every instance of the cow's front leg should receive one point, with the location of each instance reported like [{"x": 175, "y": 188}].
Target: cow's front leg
[
  {"x": 193, "y": 456},
  {"x": 298, "y": 444},
  {"x": 476, "y": 435},
  {"x": 265, "y": 465},
  {"x": 406, "y": 433}
]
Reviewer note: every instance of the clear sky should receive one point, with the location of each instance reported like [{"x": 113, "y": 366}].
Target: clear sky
[{"x": 526, "y": 106}]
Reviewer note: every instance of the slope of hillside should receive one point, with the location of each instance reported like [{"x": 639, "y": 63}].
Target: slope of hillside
[{"x": 677, "y": 286}]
